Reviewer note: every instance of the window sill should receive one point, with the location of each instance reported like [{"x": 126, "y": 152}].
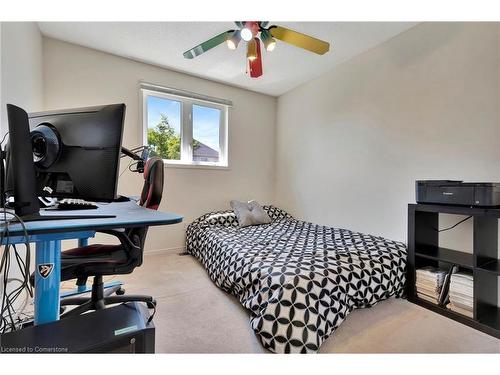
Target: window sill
[{"x": 169, "y": 164}]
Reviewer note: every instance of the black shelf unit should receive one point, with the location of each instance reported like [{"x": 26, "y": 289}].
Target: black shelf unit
[{"x": 424, "y": 250}]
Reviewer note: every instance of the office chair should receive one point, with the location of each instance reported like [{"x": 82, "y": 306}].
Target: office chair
[{"x": 100, "y": 260}]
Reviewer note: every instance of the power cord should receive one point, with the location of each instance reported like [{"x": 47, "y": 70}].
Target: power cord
[
  {"x": 455, "y": 225},
  {"x": 11, "y": 318},
  {"x": 133, "y": 164},
  {"x": 125, "y": 169}
]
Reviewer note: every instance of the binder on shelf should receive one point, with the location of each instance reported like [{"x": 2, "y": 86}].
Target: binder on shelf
[{"x": 444, "y": 296}]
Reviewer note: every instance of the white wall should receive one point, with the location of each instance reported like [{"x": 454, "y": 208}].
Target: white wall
[
  {"x": 424, "y": 105},
  {"x": 21, "y": 67},
  {"x": 349, "y": 144},
  {"x": 1, "y": 103},
  {"x": 20, "y": 83},
  {"x": 75, "y": 76}
]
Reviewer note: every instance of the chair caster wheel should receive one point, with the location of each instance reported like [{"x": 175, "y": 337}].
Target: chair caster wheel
[{"x": 120, "y": 292}]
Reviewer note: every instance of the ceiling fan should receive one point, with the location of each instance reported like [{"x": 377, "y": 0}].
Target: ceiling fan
[{"x": 253, "y": 33}]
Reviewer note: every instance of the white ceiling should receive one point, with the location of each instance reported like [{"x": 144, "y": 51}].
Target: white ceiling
[{"x": 162, "y": 43}]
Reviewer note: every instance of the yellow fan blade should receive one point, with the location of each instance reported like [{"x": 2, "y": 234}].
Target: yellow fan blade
[{"x": 300, "y": 40}]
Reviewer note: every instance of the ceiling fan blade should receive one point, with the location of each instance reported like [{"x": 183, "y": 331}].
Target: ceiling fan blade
[
  {"x": 255, "y": 65},
  {"x": 300, "y": 40},
  {"x": 207, "y": 45}
]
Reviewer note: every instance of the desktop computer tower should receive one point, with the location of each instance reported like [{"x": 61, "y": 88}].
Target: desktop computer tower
[{"x": 119, "y": 329}]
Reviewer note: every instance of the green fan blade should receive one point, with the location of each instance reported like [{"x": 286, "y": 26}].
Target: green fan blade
[{"x": 207, "y": 45}]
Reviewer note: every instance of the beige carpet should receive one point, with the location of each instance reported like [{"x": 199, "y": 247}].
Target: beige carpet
[{"x": 194, "y": 316}]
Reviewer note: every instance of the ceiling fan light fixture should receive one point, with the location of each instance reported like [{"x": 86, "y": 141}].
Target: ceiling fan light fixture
[
  {"x": 233, "y": 40},
  {"x": 253, "y": 33},
  {"x": 270, "y": 45},
  {"x": 246, "y": 34},
  {"x": 252, "y": 49},
  {"x": 268, "y": 40}
]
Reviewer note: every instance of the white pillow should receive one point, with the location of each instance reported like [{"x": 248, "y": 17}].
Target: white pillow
[{"x": 249, "y": 213}]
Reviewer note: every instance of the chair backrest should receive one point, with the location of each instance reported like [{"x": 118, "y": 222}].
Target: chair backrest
[
  {"x": 151, "y": 195},
  {"x": 152, "y": 190}
]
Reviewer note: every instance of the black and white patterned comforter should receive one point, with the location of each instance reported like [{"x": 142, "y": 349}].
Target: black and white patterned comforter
[{"x": 299, "y": 280}]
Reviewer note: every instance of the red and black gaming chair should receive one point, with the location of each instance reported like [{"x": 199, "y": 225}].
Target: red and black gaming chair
[{"x": 100, "y": 260}]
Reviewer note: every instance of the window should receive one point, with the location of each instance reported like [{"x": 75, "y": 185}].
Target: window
[
  {"x": 164, "y": 127},
  {"x": 206, "y": 134},
  {"x": 185, "y": 128}
]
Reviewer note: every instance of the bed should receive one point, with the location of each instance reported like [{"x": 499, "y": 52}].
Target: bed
[{"x": 299, "y": 280}]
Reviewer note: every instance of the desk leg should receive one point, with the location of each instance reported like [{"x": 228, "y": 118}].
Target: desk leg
[
  {"x": 47, "y": 281},
  {"x": 82, "y": 242}
]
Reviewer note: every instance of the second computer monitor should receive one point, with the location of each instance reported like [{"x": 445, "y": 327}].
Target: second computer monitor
[{"x": 77, "y": 151}]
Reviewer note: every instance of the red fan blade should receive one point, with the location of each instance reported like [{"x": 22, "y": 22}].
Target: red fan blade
[{"x": 255, "y": 65}]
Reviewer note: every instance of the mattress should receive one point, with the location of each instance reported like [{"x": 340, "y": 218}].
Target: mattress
[{"x": 299, "y": 280}]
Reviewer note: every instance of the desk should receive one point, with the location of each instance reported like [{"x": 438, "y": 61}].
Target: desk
[{"x": 47, "y": 236}]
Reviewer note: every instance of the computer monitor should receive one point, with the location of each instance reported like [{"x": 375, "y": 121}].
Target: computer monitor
[
  {"x": 77, "y": 151},
  {"x": 71, "y": 153},
  {"x": 21, "y": 180}
]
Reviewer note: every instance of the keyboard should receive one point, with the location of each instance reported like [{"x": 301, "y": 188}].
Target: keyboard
[{"x": 69, "y": 204}]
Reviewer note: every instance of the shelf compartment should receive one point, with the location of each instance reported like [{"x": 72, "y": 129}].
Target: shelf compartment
[
  {"x": 443, "y": 254},
  {"x": 488, "y": 315},
  {"x": 492, "y": 266}
]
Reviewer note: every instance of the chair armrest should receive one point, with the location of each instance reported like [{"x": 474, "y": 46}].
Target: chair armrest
[
  {"x": 111, "y": 231},
  {"x": 122, "y": 237}
]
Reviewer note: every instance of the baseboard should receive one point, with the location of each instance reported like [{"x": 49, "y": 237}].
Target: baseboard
[{"x": 169, "y": 250}]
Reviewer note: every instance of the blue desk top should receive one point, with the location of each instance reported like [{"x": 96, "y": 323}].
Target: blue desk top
[{"x": 127, "y": 214}]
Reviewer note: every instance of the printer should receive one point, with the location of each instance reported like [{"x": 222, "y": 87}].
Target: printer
[{"x": 478, "y": 194}]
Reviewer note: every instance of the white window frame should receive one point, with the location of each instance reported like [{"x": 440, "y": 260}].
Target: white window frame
[{"x": 186, "y": 128}]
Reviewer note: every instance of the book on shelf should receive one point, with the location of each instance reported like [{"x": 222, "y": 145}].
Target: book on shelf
[
  {"x": 466, "y": 312},
  {"x": 461, "y": 293},
  {"x": 429, "y": 283},
  {"x": 427, "y": 298}
]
